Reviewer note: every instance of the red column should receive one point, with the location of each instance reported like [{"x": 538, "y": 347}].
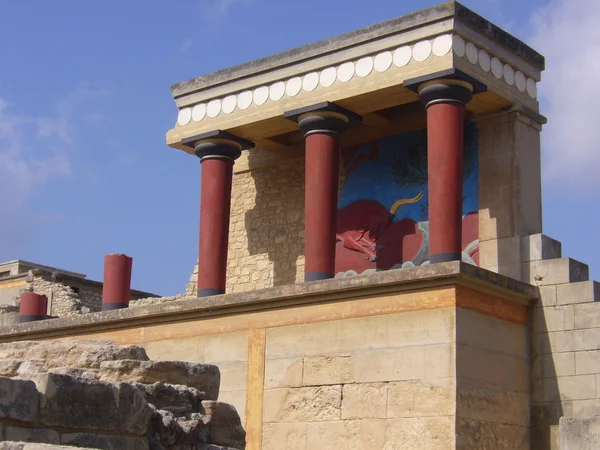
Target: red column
[
  {"x": 322, "y": 156},
  {"x": 215, "y": 205},
  {"x": 217, "y": 151},
  {"x": 33, "y": 307},
  {"x": 445, "y": 102},
  {"x": 116, "y": 289}
]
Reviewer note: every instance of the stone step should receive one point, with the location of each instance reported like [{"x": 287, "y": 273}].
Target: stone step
[
  {"x": 581, "y": 292},
  {"x": 538, "y": 247},
  {"x": 554, "y": 271}
]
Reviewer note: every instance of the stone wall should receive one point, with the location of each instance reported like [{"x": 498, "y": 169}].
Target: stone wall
[
  {"x": 580, "y": 434},
  {"x": 98, "y": 395}
]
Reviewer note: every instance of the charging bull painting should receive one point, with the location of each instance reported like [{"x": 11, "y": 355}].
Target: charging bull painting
[{"x": 382, "y": 218}]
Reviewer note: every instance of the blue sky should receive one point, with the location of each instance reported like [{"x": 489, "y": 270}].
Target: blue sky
[{"x": 85, "y": 104}]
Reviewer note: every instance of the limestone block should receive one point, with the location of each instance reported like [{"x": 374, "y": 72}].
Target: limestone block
[
  {"x": 554, "y": 271},
  {"x": 83, "y": 354},
  {"x": 543, "y": 343},
  {"x": 511, "y": 270},
  {"x": 204, "y": 377},
  {"x": 349, "y": 434},
  {"x": 20, "y": 434},
  {"x": 576, "y": 340},
  {"x": 421, "y": 398},
  {"x": 69, "y": 402},
  {"x": 18, "y": 400},
  {"x": 283, "y": 372},
  {"x": 580, "y": 434},
  {"x": 323, "y": 370},
  {"x": 418, "y": 433},
  {"x": 302, "y": 404},
  {"x": 482, "y": 402},
  {"x": 225, "y": 427},
  {"x": 496, "y": 369},
  {"x": 582, "y": 292},
  {"x": 587, "y": 362},
  {"x": 552, "y": 365},
  {"x": 284, "y": 436},
  {"x": 233, "y": 375},
  {"x": 578, "y": 387},
  {"x": 553, "y": 318},
  {"x": 489, "y": 333},
  {"x": 548, "y": 296},
  {"x": 364, "y": 401},
  {"x": 471, "y": 434},
  {"x": 536, "y": 247},
  {"x": 184, "y": 349},
  {"x": 582, "y": 409},
  {"x": 587, "y": 315},
  {"x": 224, "y": 347},
  {"x": 237, "y": 399},
  {"x": 499, "y": 252},
  {"x": 104, "y": 441},
  {"x": 134, "y": 411},
  {"x": 405, "y": 363}
]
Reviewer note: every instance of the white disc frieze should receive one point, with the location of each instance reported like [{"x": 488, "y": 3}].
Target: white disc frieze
[
  {"x": 509, "y": 74},
  {"x": 310, "y": 81},
  {"x": 277, "y": 91},
  {"x": 213, "y": 108},
  {"x": 327, "y": 77},
  {"x": 198, "y": 112},
  {"x": 261, "y": 95},
  {"x": 422, "y": 51},
  {"x": 458, "y": 45},
  {"x": 184, "y": 116},
  {"x": 531, "y": 88},
  {"x": 345, "y": 72},
  {"x": 472, "y": 52},
  {"x": 402, "y": 56},
  {"x": 520, "y": 81},
  {"x": 229, "y": 104},
  {"x": 364, "y": 66},
  {"x": 485, "y": 62},
  {"x": 293, "y": 86},
  {"x": 442, "y": 45},
  {"x": 244, "y": 100},
  {"x": 383, "y": 61},
  {"x": 497, "y": 67}
]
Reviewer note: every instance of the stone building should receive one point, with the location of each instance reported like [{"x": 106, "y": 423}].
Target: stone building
[
  {"x": 373, "y": 272},
  {"x": 68, "y": 292}
]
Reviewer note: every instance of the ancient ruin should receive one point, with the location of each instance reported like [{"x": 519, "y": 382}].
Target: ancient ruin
[{"x": 372, "y": 269}]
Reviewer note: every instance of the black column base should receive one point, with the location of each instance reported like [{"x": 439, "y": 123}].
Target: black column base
[
  {"x": 444, "y": 257},
  {"x": 316, "y": 276},
  {"x": 209, "y": 292},
  {"x": 30, "y": 318},
  {"x": 112, "y": 306}
]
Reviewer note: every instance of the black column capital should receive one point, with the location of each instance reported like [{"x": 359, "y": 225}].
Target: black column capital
[
  {"x": 217, "y": 144},
  {"x": 325, "y": 117},
  {"x": 445, "y": 91}
]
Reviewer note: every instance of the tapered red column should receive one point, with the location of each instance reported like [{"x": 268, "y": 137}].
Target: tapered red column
[
  {"x": 217, "y": 152},
  {"x": 116, "y": 289},
  {"x": 33, "y": 307},
  {"x": 445, "y": 101},
  {"x": 321, "y": 125}
]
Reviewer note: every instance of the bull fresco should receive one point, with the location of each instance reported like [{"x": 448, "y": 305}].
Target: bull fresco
[{"x": 382, "y": 217}]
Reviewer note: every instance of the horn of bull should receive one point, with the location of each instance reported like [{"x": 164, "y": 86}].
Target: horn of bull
[{"x": 405, "y": 201}]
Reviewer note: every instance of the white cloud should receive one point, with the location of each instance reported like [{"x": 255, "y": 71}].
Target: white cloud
[
  {"x": 567, "y": 33},
  {"x": 34, "y": 151}
]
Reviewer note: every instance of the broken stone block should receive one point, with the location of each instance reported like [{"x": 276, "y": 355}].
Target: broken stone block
[
  {"x": 18, "y": 400},
  {"x": 225, "y": 426},
  {"x": 176, "y": 399},
  {"x": 205, "y": 378},
  {"x": 78, "y": 403},
  {"x": 9, "y": 367},
  {"x": 134, "y": 411},
  {"x": 22, "y": 434}
]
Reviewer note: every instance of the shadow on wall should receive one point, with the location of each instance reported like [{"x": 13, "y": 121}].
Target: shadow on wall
[{"x": 275, "y": 222}]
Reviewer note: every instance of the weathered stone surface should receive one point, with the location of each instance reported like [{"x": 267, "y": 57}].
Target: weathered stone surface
[
  {"x": 421, "y": 398},
  {"x": 579, "y": 434},
  {"x": 134, "y": 411},
  {"x": 177, "y": 399},
  {"x": 7, "y": 445},
  {"x": 303, "y": 404},
  {"x": 22, "y": 434},
  {"x": 79, "y": 354},
  {"x": 78, "y": 373},
  {"x": 105, "y": 441},
  {"x": 204, "y": 377},
  {"x": 18, "y": 400},
  {"x": 418, "y": 433},
  {"x": 488, "y": 435},
  {"x": 9, "y": 367},
  {"x": 78, "y": 403},
  {"x": 364, "y": 401},
  {"x": 348, "y": 434},
  {"x": 225, "y": 426}
]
